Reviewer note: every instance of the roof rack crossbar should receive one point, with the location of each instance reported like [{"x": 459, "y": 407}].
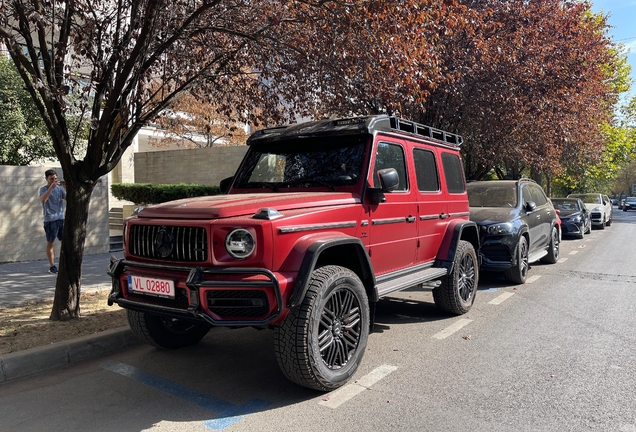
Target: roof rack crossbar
[{"x": 402, "y": 125}]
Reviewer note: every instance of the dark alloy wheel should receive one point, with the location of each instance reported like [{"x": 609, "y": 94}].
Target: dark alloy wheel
[
  {"x": 519, "y": 272},
  {"x": 167, "y": 333},
  {"x": 321, "y": 342},
  {"x": 553, "y": 249},
  {"x": 457, "y": 292}
]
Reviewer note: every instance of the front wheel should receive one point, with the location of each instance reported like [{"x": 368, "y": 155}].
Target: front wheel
[
  {"x": 457, "y": 292},
  {"x": 609, "y": 221},
  {"x": 168, "y": 333},
  {"x": 519, "y": 272},
  {"x": 553, "y": 249},
  {"x": 322, "y": 341}
]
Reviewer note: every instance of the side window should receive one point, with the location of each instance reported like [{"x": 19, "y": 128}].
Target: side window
[
  {"x": 390, "y": 156},
  {"x": 425, "y": 170},
  {"x": 537, "y": 195},
  {"x": 454, "y": 173},
  {"x": 527, "y": 197}
]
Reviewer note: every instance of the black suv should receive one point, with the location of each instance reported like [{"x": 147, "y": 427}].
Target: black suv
[{"x": 518, "y": 226}]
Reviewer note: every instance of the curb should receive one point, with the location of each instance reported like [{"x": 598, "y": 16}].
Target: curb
[{"x": 39, "y": 359}]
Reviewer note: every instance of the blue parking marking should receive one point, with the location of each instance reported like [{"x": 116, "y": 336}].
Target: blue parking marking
[{"x": 228, "y": 412}]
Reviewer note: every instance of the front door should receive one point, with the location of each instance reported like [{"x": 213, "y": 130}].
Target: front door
[{"x": 392, "y": 224}]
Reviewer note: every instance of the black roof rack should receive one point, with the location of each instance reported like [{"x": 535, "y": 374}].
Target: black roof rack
[{"x": 353, "y": 125}]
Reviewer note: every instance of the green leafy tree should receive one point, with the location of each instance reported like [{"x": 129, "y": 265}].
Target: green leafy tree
[{"x": 23, "y": 137}]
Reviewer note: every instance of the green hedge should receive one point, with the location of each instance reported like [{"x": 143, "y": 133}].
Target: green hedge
[{"x": 147, "y": 193}]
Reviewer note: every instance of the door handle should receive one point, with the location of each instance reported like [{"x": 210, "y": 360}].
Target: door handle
[
  {"x": 410, "y": 219},
  {"x": 443, "y": 215}
]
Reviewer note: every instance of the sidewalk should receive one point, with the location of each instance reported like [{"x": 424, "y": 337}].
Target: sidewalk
[
  {"x": 27, "y": 281},
  {"x": 22, "y": 282}
]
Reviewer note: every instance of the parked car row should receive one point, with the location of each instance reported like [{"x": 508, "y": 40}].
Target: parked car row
[
  {"x": 518, "y": 226},
  {"x": 599, "y": 206}
]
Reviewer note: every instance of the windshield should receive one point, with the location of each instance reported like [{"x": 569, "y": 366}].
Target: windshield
[
  {"x": 565, "y": 205},
  {"x": 480, "y": 195},
  {"x": 630, "y": 199},
  {"x": 326, "y": 162},
  {"x": 588, "y": 198}
]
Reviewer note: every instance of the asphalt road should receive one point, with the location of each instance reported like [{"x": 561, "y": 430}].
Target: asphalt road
[{"x": 555, "y": 354}]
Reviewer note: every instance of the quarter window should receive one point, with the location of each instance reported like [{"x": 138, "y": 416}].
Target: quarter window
[{"x": 453, "y": 173}]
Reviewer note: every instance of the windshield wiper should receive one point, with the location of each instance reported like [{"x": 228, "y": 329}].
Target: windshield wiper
[{"x": 331, "y": 187}]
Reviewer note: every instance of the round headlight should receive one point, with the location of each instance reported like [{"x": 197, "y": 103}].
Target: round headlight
[{"x": 240, "y": 243}]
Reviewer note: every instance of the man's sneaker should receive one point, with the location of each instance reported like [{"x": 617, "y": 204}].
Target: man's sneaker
[{"x": 53, "y": 270}]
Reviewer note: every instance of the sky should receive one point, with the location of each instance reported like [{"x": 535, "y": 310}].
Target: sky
[{"x": 622, "y": 19}]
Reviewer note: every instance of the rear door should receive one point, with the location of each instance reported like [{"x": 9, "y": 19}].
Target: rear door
[{"x": 432, "y": 209}]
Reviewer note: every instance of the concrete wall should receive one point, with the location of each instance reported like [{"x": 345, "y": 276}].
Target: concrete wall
[
  {"x": 203, "y": 166},
  {"x": 22, "y": 223}
]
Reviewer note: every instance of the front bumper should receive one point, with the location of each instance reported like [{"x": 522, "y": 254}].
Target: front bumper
[
  {"x": 597, "y": 218},
  {"x": 231, "y": 296},
  {"x": 497, "y": 253},
  {"x": 572, "y": 228}
]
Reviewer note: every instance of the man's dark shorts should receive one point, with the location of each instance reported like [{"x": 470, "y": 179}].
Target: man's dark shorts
[{"x": 54, "y": 229}]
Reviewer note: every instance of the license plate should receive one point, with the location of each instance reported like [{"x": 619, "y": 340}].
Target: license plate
[{"x": 152, "y": 286}]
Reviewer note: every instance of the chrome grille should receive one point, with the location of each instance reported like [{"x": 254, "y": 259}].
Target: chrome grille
[{"x": 189, "y": 244}]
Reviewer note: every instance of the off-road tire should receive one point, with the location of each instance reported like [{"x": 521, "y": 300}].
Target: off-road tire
[
  {"x": 553, "y": 248},
  {"x": 456, "y": 294},
  {"x": 165, "y": 333},
  {"x": 322, "y": 341},
  {"x": 519, "y": 273}
]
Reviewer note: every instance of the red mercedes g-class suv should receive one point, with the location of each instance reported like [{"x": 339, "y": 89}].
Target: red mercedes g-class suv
[{"x": 320, "y": 220}]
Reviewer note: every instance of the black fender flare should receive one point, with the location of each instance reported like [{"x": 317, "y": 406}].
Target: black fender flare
[
  {"x": 456, "y": 231},
  {"x": 311, "y": 259}
]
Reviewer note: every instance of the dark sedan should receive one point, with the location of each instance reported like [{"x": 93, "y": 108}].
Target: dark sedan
[
  {"x": 575, "y": 217},
  {"x": 518, "y": 226},
  {"x": 629, "y": 204}
]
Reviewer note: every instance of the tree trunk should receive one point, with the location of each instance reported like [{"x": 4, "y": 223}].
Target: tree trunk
[{"x": 66, "y": 304}]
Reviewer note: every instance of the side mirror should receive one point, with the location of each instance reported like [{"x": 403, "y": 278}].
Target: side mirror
[
  {"x": 530, "y": 206},
  {"x": 389, "y": 179},
  {"x": 557, "y": 211},
  {"x": 225, "y": 184}
]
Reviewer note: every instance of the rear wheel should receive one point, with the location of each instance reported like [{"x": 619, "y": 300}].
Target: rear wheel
[
  {"x": 519, "y": 273},
  {"x": 553, "y": 249},
  {"x": 168, "y": 333},
  {"x": 457, "y": 292},
  {"x": 321, "y": 342}
]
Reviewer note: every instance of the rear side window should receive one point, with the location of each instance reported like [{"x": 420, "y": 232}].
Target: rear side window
[
  {"x": 390, "y": 156},
  {"x": 453, "y": 173},
  {"x": 425, "y": 170}
]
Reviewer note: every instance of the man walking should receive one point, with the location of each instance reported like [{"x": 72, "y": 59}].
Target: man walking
[{"x": 52, "y": 196}]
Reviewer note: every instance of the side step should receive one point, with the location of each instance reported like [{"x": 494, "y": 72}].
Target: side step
[
  {"x": 410, "y": 280},
  {"x": 534, "y": 257}
]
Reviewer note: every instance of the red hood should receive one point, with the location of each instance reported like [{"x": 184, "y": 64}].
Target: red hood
[{"x": 224, "y": 206}]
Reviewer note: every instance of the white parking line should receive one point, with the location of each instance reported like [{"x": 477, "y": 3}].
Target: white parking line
[
  {"x": 458, "y": 325},
  {"x": 533, "y": 278},
  {"x": 334, "y": 399},
  {"x": 574, "y": 252},
  {"x": 501, "y": 298},
  {"x": 562, "y": 260}
]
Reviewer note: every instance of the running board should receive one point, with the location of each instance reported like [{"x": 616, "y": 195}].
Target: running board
[
  {"x": 537, "y": 256},
  {"x": 410, "y": 280}
]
